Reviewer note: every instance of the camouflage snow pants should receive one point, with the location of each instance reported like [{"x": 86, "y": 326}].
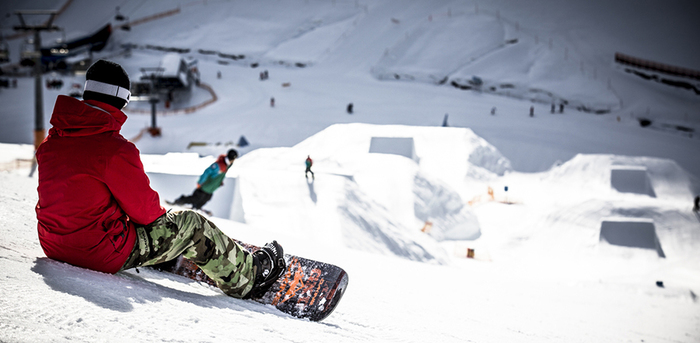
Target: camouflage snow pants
[{"x": 199, "y": 240}]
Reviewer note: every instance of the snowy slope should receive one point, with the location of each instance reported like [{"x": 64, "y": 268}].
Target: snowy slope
[
  {"x": 542, "y": 269},
  {"x": 546, "y": 277}
]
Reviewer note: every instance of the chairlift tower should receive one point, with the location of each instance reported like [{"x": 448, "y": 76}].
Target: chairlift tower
[{"x": 39, "y": 130}]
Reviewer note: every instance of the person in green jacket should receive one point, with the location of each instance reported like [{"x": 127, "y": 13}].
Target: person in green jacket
[
  {"x": 211, "y": 179},
  {"x": 309, "y": 162}
]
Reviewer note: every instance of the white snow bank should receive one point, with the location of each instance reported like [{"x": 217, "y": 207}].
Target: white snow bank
[
  {"x": 577, "y": 196},
  {"x": 446, "y": 153},
  {"x": 349, "y": 178},
  {"x": 667, "y": 179},
  {"x": 350, "y": 181},
  {"x": 332, "y": 209}
]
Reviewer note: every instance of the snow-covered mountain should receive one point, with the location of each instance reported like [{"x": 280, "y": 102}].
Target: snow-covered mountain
[{"x": 545, "y": 201}]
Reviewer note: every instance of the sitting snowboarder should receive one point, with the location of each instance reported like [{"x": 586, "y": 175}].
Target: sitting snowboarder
[
  {"x": 211, "y": 180},
  {"x": 96, "y": 209}
]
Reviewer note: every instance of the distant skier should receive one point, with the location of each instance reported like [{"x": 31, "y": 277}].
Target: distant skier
[
  {"x": 96, "y": 209},
  {"x": 272, "y": 102},
  {"x": 209, "y": 181},
  {"x": 696, "y": 205},
  {"x": 444, "y": 121},
  {"x": 532, "y": 111},
  {"x": 349, "y": 109},
  {"x": 309, "y": 162}
]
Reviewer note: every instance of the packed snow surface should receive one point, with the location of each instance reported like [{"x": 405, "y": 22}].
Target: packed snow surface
[{"x": 580, "y": 224}]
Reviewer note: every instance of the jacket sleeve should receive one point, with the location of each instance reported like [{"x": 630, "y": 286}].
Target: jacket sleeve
[{"x": 127, "y": 180}]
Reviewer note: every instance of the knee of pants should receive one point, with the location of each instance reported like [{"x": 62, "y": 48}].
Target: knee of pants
[{"x": 204, "y": 238}]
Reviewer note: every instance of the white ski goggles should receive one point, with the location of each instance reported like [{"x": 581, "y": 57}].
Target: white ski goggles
[{"x": 106, "y": 88}]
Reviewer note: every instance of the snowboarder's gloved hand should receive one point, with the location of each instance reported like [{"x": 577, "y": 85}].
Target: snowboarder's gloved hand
[{"x": 270, "y": 265}]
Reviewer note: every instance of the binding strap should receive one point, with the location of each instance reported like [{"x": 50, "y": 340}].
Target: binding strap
[{"x": 106, "y": 88}]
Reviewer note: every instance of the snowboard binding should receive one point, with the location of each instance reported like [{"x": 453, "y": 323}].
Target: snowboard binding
[{"x": 270, "y": 265}]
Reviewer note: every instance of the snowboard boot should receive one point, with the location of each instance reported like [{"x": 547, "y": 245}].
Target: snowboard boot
[{"x": 270, "y": 265}]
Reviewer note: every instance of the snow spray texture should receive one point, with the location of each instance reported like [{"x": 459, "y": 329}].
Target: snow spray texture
[{"x": 199, "y": 240}]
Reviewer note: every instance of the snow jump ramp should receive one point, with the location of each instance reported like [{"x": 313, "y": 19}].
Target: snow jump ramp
[
  {"x": 631, "y": 232},
  {"x": 402, "y": 146},
  {"x": 631, "y": 179}
]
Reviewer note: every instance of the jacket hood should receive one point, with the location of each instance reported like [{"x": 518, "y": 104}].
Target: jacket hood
[
  {"x": 221, "y": 161},
  {"x": 72, "y": 117}
]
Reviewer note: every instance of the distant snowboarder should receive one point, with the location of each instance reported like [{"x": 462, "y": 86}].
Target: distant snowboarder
[
  {"x": 309, "y": 162},
  {"x": 211, "y": 179}
]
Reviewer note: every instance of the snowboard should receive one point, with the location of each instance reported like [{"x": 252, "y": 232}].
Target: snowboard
[{"x": 308, "y": 289}]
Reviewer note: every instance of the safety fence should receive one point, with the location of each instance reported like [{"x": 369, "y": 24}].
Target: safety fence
[{"x": 656, "y": 66}]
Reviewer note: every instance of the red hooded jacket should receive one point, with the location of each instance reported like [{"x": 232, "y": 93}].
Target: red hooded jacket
[{"x": 92, "y": 187}]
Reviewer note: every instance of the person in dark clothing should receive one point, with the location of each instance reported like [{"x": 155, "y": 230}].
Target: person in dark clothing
[
  {"x": 211, "y": 180},
  {"x": 696, "y": 205},
  {"x": 349, "y": 109}
]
